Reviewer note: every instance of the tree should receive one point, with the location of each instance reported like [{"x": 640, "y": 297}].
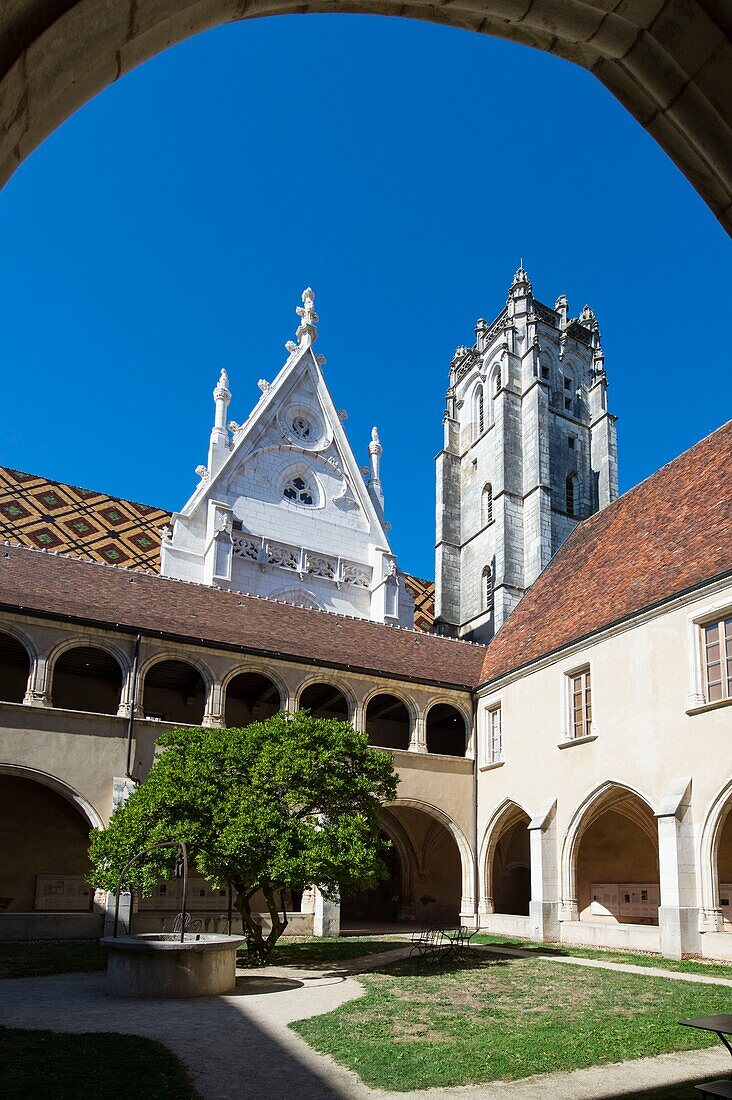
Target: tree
[{"x": 280, "y": 805}]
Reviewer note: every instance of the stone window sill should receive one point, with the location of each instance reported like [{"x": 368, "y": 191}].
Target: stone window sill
[
  {"x": 491, "y": 767},
  {"x": 702, "y": 708},
  {"x": 577, "y": 741}
]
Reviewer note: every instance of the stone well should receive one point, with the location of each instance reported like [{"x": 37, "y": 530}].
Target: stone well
[{"x": 160, "y": 965}]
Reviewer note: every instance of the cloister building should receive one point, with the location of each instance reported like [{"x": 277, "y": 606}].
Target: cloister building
[{"x": 566, "y": 777}]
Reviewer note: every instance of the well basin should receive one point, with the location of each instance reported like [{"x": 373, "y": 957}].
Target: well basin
[{"x": 161, "y": 965}]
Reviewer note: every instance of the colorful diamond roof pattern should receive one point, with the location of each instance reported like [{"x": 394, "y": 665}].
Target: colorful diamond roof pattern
[{"x": 48, "y": 515}]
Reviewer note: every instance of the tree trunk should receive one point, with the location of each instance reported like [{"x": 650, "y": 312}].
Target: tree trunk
[{"x": 259, "y": 947}]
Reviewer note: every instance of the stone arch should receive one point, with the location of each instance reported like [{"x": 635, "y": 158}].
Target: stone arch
[
  {"x": 717, "y": 817},
  {"x": 160, "y": 705},
  {"x": 44, "y": 835},
  {"x": 46, "y": 779},
  {"x": 439, "y": 736},
  {"x": 17, "y": 658},
  {"x": 106, "y": 699},
  {"x": 408, "y": 705},
  {"x": 608, "y": 797},
  {"x": 391, "y": 900},
  {"x": 507, "y": 815},
  {"x": 336, "y": 684},
  {"x": 265, "y": 696},
  {"x": 463, "y": 846},
  {"x": 299, "y": 596},
  {"x": 642, "y": 56}
]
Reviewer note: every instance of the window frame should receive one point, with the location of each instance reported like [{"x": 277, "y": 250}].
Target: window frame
[
  {"x": 699, "y": 695},
  {"x": 488, "y": 603},
  {"x": 491, "y": 755},
  {"x": 583, "y": 673}
]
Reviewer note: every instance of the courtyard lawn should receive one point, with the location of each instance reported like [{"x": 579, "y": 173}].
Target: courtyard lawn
[
  {"x": 683, "y": 966},
  {"x": 33, "y": 959},
  {"x": 300, "y": 952},
  {"x": 43, "y": 1063},
  {"x": 504, "y": 1018}
]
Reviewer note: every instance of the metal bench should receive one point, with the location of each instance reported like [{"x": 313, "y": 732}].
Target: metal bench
[{"x": 716, "y": 1088}]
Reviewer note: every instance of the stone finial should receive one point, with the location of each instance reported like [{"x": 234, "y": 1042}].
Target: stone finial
[
  {"x": 307, "y": 332},
  {"x": 521, "y": 280},
  {"x": 264, "y": 385},
  {"x": 561, "y": 306},
  {"x": 587, "y": 319}
]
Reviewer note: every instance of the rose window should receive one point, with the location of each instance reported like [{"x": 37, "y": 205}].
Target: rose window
[
  {"x": 301, "y": 427},
  {"x": 298, "y": 490}
]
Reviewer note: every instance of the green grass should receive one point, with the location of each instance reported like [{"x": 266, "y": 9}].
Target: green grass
[
  {"x": 300, "y": 952},
  {"x": 31, "y": 960},
  {"x": 684, "y": 966},
  {"x": 34, "y": 1064},
  {"x": 504, "y": 1017}
]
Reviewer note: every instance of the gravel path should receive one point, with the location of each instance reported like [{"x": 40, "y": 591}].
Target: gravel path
[{"x": 239, "y": 1046}]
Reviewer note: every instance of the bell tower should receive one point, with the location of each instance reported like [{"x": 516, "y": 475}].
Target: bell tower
[{"x": 530, "y": 450}]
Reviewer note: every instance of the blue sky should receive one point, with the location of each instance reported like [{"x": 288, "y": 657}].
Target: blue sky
[{"x": 401, "y": 169}]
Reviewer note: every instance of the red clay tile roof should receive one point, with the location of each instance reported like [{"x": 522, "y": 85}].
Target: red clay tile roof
[
  {"x": 65, "y": 587},
  {"x": 50, "y": 515},
  {"x": 668, "y": 534}
]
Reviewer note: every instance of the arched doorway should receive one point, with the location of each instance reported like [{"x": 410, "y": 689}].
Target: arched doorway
[
  {"x": 388, "y": 723},
  {"x": 427, "y": 866},
  {"x": 615, "y": 856},
  {"x": 14, "y": 669},
  {"x": 44, "y": 839},
  {"x": 724, "y": 870},
  {"x": 325, "y": 701},
  {"x": 174, "y": 691},
  {"x": 446, "y": 730},
  {"x": 510, "y": 883},
  {"x": 250, "y": 697},
  {"x": 87, "y": 678},
  {"x": 383, "y": 904}
]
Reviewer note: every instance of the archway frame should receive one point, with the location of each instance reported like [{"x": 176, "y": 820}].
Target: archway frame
[
  {"x": 104, "y": 645},
  {"x": 506, "y": 814},
  {"x": 396, "y": 693},
  {"x": 467, "y": 717},
  {"x": 464, "y": 849},
  {"x": 595, "y": 803},
  {"x": 708, "y": 852},
  {"x": 330, "y": 681},
  {"x": 662, "y": 67},
  {"x": 253, "y": 670},
  {"x": 46, "y": 779}
]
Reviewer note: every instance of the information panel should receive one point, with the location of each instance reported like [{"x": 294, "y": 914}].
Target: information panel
[
  {"x": 63, "y": 893},
  {"x": 626, "y": 902}
]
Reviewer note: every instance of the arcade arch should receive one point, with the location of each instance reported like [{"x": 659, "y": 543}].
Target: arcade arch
[
  {"x": 15, "y": 667},
  {"x": 44, "y": 837},
  {"x": 86, "y": 678},
  {"x": 662, "y": 65},
  {"x": 446, "y": 730},
  {"x": 250, "y": 697},
  {"x": 174, "y": 691},
  {"x": 507, "y": 861},
  {"x": 610, "y": 860},
  {"x": 388, "y": 722},
  {"x": 325, "y": 700}
]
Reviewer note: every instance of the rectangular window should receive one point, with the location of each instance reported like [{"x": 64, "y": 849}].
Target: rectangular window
[
  {"x": 580, "y": 704},
  {"x": 495, "y": 741},
  {"x": 718, "y": 660},
  {"x": 568, "y": 403}
]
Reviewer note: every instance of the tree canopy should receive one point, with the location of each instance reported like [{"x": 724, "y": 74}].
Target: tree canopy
[{"x": 280, "y": 805}]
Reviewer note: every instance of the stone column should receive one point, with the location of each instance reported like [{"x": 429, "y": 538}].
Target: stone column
[
  {"x": 326, "y": 915},
  {"x": 544, "y": 905},
  {"x": 418, "y": 737},
  {"x": 122, "y": 787},
  {"x": 213, "y": 715},
  {"x": 678, "y": 914},
  {"x": 37, "y": 693}
]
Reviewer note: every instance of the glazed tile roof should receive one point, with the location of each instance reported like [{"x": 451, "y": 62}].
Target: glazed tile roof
[
  {"x": 65, "y": 587},
  {"x": 668, "y": 534},
  {"x": 50, "y": 515}
]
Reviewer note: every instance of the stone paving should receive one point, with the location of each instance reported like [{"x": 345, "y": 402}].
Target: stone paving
[{"x": 239, "y": 1046}]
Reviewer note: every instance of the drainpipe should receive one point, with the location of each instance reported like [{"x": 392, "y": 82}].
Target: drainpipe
[
  {"x": 133, "y": 705},
  {"x": 476, "y": 869}
]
